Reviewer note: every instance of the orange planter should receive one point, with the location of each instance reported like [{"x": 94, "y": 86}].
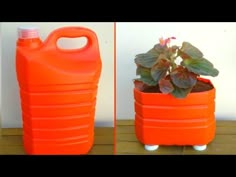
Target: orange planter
[
  {"x": 162, "y": 119},
  {"x": 58, "y": 89}
]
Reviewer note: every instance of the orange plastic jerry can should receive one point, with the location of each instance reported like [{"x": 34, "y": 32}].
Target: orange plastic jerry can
[{"x": 58, "y": 89}]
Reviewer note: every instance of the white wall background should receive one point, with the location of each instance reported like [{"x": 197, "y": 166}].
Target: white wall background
[
  {"x": 217, "y": 41},
  {"x": 10, "y": 103}
]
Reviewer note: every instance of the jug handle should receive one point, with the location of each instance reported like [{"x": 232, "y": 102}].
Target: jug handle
[{"x": 71, "y": 32}]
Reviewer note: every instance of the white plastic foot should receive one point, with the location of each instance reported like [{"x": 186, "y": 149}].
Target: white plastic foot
[
  {"x": 151, "y": 147},
  {"x": 200, "y": 148}
]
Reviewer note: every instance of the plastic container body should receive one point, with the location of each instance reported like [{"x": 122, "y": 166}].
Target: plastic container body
[
  {"x": 162, "y": 119},
  {"x": 58, "y": 89}
]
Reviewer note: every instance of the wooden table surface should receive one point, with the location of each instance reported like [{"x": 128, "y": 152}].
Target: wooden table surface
[
  {"x": 127, "y": 144},
  {"x": 11, "y": 141},
  {"x": 223, "y": 143}
]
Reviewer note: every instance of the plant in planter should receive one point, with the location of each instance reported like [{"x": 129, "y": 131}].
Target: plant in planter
[{"x": 173, "y": 104}]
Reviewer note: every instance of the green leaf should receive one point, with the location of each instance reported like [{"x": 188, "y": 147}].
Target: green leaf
[
  {"x": 165, "y": 86},
  {"x": 162, "y": 50},
  {"x": 144, "y": 72},
  {"x": 191, "y": 50},
  {"x": 159, "y": 70},
  {"x": 145, "y": 76},
  {"x": 147, "y": 80},
  {"x": 146, "y": 60},
  {"x": 182, "y": 78},
  {"x": 153, "y": 51},
  {"x": 183, "y": 55},
  {"x": 159, "y": 48},
  {"x": 200, "y": 66},
  {"x": 180, "y": 92}
]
